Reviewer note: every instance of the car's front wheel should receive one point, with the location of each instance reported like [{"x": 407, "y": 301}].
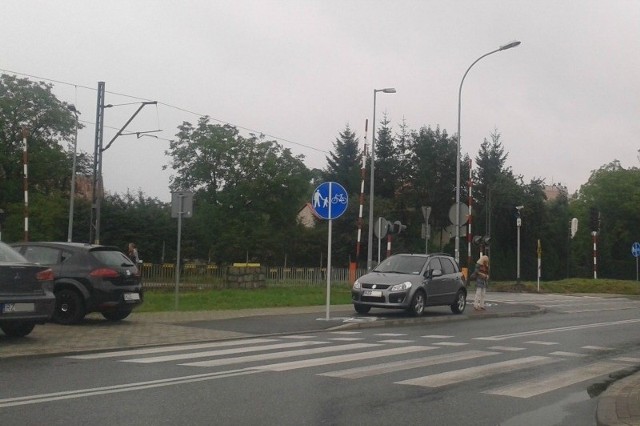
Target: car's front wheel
[
  {"x": 461, "y": 302},
  {"x": 362, "y": 309},
  {"x": 416, "y": 307},
  {"x": 69, "y": 307},
  {"x": 17, "y": 329},
  {"x": 117, "y": 315}
]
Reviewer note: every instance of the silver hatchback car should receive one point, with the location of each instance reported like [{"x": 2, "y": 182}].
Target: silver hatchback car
[{"x": 411, "y": 282}]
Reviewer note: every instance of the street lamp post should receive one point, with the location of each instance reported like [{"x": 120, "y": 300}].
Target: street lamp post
[
  {"x": 457, "y": 238},
  {"x": 371, "y": 182},
  {"x": 73, "y": 175},
  {"x": 518, "y": 225}
]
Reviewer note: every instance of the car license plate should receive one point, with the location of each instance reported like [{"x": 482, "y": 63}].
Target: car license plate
[
  {"x": 129, "y": 297},
  {"x": 17, "y": 307},
  {"x": 373, "y": 293}
]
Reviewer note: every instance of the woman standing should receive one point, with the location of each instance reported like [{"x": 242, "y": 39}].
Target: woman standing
[
  {"x": 133, "y": 253},
  {"x": 481, "y": 274}
]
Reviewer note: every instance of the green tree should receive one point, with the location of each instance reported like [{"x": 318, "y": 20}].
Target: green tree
[
  {"x": 615, "y": 193},
  {"x": 49, "y": 127},
  {"x": 344, "y": 162},
  {"x": 203, "y": 157},
  {"x": 430, "y": 181},
  {"x": 386, "y": 161},
  {"x": 247, "y": 192},
  {"x": 497, "y": 192},
  {"x": 146, "y": 221}
]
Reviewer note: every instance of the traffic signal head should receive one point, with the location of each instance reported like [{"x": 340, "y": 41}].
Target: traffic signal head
[
  {"x": 481, "y": 240},
  {"x": 397, "y": 227}
]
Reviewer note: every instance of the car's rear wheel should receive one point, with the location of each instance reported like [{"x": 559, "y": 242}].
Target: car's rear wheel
[
  {"x": 416, "y": 307},
  {"x": 17, "y": 329},
  {"x": 362, "y": 309},
  {"x": 461, "y": 302},
  {"x": 69, "y": 307},
  {"x": 116, "y": 315}
]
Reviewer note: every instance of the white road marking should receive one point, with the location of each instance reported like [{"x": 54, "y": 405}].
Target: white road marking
[
  {"x": 278, "y": 355},
  {"x": 173, "y": 348},
  {"x": 529, "y": 388},
  {"x": 597, "y": 348},
  {"x": 473, "y": 373},
  {"x": 391, "y": 367},
  {"x": 627, "y": 359},
  {"x": 538, "y": 342},
  {"x": 558, "y": 329},
  {"x": 390, "y": 334},
  {"x": 129, "y": 387},
  {"x": 450, "y": 344},
  {"x": 437, "y": 336},
  {"x": 506, "y": 348},
  {"x": 221, "y": 352},
  {"x": 396, "y": 341},
  {"x": 299, "y": 336},
  {"x": 285, "y": 366},
  {"x": 569, "y": 354}
]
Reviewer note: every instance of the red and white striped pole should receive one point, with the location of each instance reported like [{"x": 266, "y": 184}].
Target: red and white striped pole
[
  {"x": 388, "y": 245},
  {"x": 25, "y": 165},
  {"x": 363, "y": 173},
  {"x": 595, "y": 254},
  {"x": 470, "y": 218}
]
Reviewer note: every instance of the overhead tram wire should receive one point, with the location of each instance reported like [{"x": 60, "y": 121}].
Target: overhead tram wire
[{"x": 258, "y": 132}]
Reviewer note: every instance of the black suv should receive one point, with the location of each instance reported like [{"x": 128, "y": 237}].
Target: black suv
[
  {"x": 26, "y": 293},
  {"x": 87, "y": 278},
  {"x": 411, "y": 282}
]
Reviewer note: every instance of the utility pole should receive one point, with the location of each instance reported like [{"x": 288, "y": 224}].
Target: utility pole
[
  {"x": 98, "y": 187},
  {"x": 96, "y": 192}
]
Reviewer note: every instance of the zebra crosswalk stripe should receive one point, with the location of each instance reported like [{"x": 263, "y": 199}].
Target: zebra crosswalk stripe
[
  {"x": 472, "y": 373},
  {"x": 222, "y": 352},
  {"x": 278, "y": 355},
  {"x": 391, "y": 367},
  {"x": 529, "y": 388},
  {"x": 314, "y": 362},
  {"x": 174, "y": 348}
]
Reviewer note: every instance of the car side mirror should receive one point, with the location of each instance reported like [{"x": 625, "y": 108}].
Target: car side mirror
[{"x": 434, "y": 273}]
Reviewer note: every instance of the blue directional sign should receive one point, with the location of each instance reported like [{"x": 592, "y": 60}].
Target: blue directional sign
[
  {"x": 635, "y": 249},
  {"x": 330, "y": 200}
]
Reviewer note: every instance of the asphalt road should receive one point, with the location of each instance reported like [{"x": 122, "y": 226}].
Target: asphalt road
[{"x": 522, "y": 370}]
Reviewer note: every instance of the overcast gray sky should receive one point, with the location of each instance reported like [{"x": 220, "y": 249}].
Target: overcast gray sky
[{"x": 566, "y": 101}]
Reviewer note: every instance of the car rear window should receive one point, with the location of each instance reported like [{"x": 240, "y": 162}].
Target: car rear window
[
  {"x": 42, "y": 255},
  {"x": 8, "y": 254},
  {"x": 113, "y": 258}
]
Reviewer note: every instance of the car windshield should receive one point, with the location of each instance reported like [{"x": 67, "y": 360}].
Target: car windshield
[
  {"x": 402, "y": 265},
  {"x": 7, "y": 254}
]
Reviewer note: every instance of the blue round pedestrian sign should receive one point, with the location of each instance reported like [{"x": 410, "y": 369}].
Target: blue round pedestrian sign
[
  {"x": 635, "y": 249},
  {"x": 330, "y": 200}
]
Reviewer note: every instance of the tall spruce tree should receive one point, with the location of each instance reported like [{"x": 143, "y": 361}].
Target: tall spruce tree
[
  {"x": 386, "y": 161},
  {"x": 344, "y": 162}
]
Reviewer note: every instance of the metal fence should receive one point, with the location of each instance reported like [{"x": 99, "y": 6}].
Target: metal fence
[{"x": 204, "y": 276}]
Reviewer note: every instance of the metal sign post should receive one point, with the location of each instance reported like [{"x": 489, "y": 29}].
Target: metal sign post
[
  {"x": 181, "y": 206},
  {"x": 329, "y": 201},
  {"x": 635, "y": 251}
]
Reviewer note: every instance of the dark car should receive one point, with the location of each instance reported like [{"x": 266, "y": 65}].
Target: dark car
[
  {"x": 411, "y": 282},
  {"x": 26, "y": 293},
  {"x": 87, "y": 278}
]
